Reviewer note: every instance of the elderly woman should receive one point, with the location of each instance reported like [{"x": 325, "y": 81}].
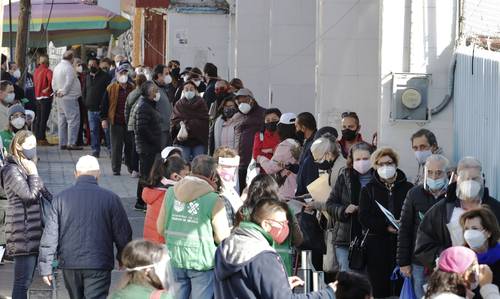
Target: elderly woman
[
  {"x": 481, "y": 234},
  {"x": 386, "y": 190}
]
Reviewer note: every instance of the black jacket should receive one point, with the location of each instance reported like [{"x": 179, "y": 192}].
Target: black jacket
[
  {"x": 433, "y": 236},
  {"x": 308, "y": 169},
  {"x": 381, "y": 245},
  {"x": 23, "y": 226},
  {"x": 147, "y": 127},
  {"x": 345, "y": 192},
  {"x": 84, "y": 223},
  {"x": 418, "y": 201},
  {"x": 209, "y": 95},
  {"x": 95, "y": 87}
]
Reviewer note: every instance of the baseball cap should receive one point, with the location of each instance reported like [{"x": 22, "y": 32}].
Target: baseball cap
[
  {"x": 165, "y": 153},
  {"x": 123, "y": 67},
  {"x": 288, "y": 118},
  {"x": 244, "y": 92},
  {"x": 30, "y": 114},
  {"x": 456, "y": 259},
  {"x": 87, "y": 163}
]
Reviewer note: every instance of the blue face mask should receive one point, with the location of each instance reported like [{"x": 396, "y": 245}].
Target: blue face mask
[{"x": 438, "y": 184}]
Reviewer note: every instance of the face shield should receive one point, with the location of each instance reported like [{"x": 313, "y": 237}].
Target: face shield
[
  {"x": 228, "y": 170},
  {"x": 163, "y": 271},
  {"x": 470, "y": 185}
]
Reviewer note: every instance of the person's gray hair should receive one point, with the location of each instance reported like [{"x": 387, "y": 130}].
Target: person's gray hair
[
  {"x": 323, "y": 145},
  {"x": 438, "y": 158},
  {"x": 68, "y": 55},
  {"x": 469, "y": 163},
  {"x": 204, "y": 165}
]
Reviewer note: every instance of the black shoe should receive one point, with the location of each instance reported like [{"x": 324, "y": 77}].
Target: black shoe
[
  {"x": 96, "y": 155},
  {"x": 140, "y": 207},
  {"x": 63, "y": 147},
  {"x": 116, "y": 173},
  {"x": 74, "y": 148}
]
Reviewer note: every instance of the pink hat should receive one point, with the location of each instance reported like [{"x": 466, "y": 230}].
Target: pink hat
[{"x": 456, "y": 259}]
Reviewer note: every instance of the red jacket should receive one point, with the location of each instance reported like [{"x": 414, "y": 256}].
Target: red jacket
[
  {"x": 42, "y": 79},
  {"x": 154, "y": 198},
  {"x": 270, "y": 142}
]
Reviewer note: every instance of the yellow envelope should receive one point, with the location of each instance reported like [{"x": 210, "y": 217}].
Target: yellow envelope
[{"x": 320, "y": 189}]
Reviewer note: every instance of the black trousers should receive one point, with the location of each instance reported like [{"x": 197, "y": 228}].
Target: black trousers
[
  {"x": 42, "y": 114},
  {"x": 85, "y": 283},
  {"x": 119, "y": 141},
  {"x": 83, "y": 121},
  {"x": 131, "y": 155},
  {"x": 146, "y": 162}
]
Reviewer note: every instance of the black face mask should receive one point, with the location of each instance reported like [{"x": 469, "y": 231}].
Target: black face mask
[
  {"x": 229, "y": 112},
  {"x": 325, "y": 165},
  {"x": 271, "y": 127},
  {"x": 300, "y": 136},
  {"x": 349, "y": 134},
  {"x": 93, "y": 69}
]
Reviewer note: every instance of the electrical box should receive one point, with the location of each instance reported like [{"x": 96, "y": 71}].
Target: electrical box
[{"x": 410, "y": 97}]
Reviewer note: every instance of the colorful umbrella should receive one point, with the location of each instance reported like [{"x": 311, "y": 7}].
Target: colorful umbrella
[{"x": 71, "y": 22}]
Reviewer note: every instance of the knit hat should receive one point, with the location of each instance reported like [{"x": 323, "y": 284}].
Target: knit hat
[
  {"x": 15, "y": 109},
  {"x": 456, "y": 259}
]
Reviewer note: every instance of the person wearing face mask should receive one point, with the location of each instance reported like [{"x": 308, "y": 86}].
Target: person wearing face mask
[
  {"x": 23, "y": 188},
  {"x": 17, "y": 122},
  {"x": 113, "y": 117},
  {"x": 423, "y": 144},
  {"x": 343, "y": 203},
  {"x": 482, "y": 235},
  {"x": 148, "y": 272},
  {"x": 162, "y": 77},
  {"x": 14, "y": 71},
  {"x": 105, "y": 65},
  {"x": 457, "y": 274},
  {"x": 211, "y": 78},
  {"x": 350, "y": 132},
  {"x": 43, "y": 94},
  {"x": 440, "y": 227},
  {"x": 249, "y": 121},
  {"x": 247, "y": 265},
  {"x": 196, "y": 76},
  {"x": 266, "y": 141},
  {"x": 96, "y": 82},
  {"x": 86, "y": 265},
  {"x": 146, "y": 131},
  {"x": 224, "y": 127},
  {"x": 165, "y": 173},
  {"x": 193, "y": 221},
  {"x": 192, "y": 110},
  {"x": 388, "y": 188},
  {"x": 418, "y": 201},
  {"x": 305, "y": 126},
  {"x": 7, "y": 99}
]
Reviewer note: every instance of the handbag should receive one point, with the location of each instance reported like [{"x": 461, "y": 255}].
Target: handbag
[
  {"x": 357, "y": 252},
  {"x": 182, "y": 135}
]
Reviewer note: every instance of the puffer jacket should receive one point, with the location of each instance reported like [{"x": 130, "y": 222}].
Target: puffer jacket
[
  {"x": 154, "y": 198},
  {"x": 23, "y": 218},
  {"x": 147, "y": 127},
  {"x": 130, "y": 104},
  {"x": 345, "y": 192},
  {"x": 418, "y": 201}
]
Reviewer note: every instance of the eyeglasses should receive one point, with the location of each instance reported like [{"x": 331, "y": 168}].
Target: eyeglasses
[{"x": 349, "y": 114}]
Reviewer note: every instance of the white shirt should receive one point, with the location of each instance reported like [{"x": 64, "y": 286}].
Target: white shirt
[{"x": 65, "y": 81}]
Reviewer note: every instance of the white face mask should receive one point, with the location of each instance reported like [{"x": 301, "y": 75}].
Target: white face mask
[
  {"x": 244, "y": 108},
  {"x": 123, "y": 79},
  {"x": 17, "y": 74},
  {"x": 422, "y": 156},
  {"x": 386, "y": 172},
  {"x": 10, "y": 98},
  {"x": 362, "y": 166},
  {"x": 469, "y": 189},
  {"x": 189, "y": 94},
  {"x": 197, "y": 82},
  {"x": 167, "y": 79},
  {"x": 79, "y": 69},
  {"x": 157, "y": 97},
  {"x": 474, "y": 238},
  {"x": 18, "y": 122},
  {"x": 161, "y": 269}
]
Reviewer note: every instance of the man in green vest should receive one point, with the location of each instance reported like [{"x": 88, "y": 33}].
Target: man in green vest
[{"x": 193, "y": 221}]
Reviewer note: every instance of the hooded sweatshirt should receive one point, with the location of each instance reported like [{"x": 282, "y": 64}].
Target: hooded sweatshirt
[
  {"x": 246, "y": 266},
  {"x": 153, "y": 197}
]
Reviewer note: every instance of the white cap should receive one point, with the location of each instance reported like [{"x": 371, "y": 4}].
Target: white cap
[
  {"x": 288, "y": 118},
  {"x": 166, "y": 151},
  {"x": 30, "y": 113},
  {"x": 87, "y": 163}
]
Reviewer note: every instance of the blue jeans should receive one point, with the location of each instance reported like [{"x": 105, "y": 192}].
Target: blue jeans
[
  {"x": 342, "y": 253},
  {"x": 95, "y": 127},
  {"x": 419, "y": 279},
  {"x": 193, "y": 284},
  {"x": 24, "y": 269},
  {"x": 190, "y": 152}
]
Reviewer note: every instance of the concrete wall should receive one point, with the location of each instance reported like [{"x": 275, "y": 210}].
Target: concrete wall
[
  {"x": 422, "y": 42},
  {"x": 195, "y": 39}
]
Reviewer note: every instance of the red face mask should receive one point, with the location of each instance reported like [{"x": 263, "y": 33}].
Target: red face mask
[{"x": 279, "y": 231}]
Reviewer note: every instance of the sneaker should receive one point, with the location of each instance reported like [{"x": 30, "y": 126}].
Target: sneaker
[
  {"x": 134, "y": 174},
  {"x": 140, "y": 207},
  {"x": 74, "y": 147}
]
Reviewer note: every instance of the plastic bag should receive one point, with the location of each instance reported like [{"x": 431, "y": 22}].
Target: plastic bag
[
  {"x": 183, "y": 133},
  {"x": 407, "y": 291},
  {"x": 252, "y": 171}
]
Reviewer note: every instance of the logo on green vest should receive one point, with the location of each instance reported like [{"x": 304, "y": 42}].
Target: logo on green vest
[
  {"x": 193, "y": 208},
  {"x": 178, "y": 206}
]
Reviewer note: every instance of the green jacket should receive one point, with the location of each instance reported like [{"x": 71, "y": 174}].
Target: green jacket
[{"x": 135, "y": 291}]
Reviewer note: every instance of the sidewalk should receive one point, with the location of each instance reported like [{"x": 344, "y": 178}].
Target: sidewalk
[{"x": 56, "y": 168}]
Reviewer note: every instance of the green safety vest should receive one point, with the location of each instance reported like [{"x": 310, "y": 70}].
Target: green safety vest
[{"x": 189, "y": 234}]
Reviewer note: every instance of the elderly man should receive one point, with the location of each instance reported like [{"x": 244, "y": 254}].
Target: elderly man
[
  {"x": 67, "y": 90},
  {"x": 440, "y": 227},
  {"x": 418, "y": 201},
  {"x": 83, "y": 224}
]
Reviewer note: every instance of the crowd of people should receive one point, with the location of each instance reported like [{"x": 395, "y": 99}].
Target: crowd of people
[{"x": 233, "y": 192}]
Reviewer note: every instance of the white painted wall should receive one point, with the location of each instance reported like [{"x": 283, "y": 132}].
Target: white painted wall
[
  {"x": 207, "y": 38},
  {"x": 112, "y": 5},
  {"x": 348, "y": 64},
  {"x": 432, "y": 40}
]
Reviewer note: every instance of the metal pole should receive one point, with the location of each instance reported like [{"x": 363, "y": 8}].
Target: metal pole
[{"x": 10, "y": 32}]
